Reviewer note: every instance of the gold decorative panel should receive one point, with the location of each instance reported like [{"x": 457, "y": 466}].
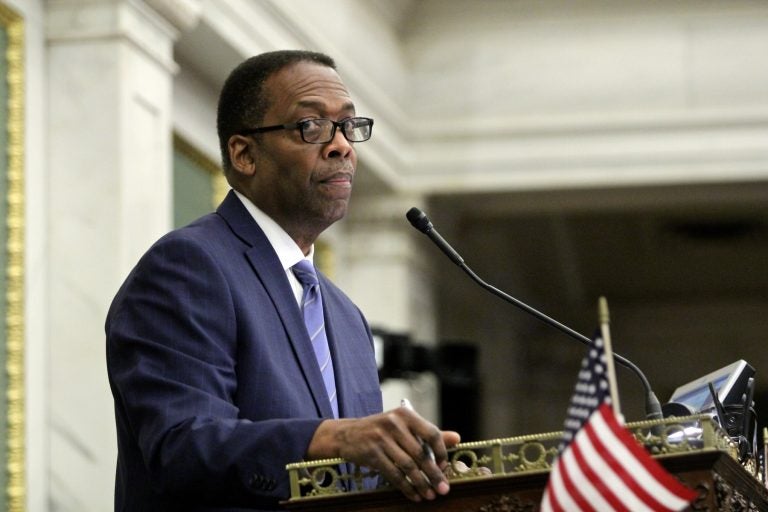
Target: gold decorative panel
[{"x": 12, "y": 165}]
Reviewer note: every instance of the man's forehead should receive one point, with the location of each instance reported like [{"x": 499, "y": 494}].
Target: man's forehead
[
  {"x": 309, "y": 85},
  {"x": 305, "y": 77}
]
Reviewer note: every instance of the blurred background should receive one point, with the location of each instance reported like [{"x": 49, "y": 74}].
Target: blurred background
[{"x": 567, "y": 149}]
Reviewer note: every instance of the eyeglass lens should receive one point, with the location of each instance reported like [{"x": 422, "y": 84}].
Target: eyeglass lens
[{"x": 355, "y": 129}]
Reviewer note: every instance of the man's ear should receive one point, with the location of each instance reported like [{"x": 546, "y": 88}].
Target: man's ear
[{"x": 240, "y": 149}]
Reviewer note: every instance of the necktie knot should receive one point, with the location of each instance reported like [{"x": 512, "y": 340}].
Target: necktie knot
[{"x": 305, "y": 273}]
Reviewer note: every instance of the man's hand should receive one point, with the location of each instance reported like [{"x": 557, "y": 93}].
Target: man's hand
[{"x": 389, "y": 442}]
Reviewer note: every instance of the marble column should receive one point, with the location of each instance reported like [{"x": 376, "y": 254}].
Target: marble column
[
  {"x": 387, "y": 270},
  {"x": 384, "y": 267},
  {"x": 110, "y": 69}
]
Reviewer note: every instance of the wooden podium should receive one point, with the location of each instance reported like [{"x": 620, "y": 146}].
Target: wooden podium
[{"x": 705, "y": 462}]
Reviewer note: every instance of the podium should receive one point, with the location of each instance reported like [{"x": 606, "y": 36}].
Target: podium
[{"x": 694, "y": 449}]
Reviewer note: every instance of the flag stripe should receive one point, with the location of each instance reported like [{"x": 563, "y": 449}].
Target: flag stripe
[
  {"x": 634, "y": 496},
  {"x": 546, "y": 502},
  {"x": 611, "y": 490},
  {"x": 586, "y": 495},
  {"x": 640, "y": 466},
  {"x": 559, "y": 498},
  {"x": 609, "y": 480}
]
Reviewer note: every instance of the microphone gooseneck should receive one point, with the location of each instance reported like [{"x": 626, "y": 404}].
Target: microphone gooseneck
[{"x": 420, "y": 221}]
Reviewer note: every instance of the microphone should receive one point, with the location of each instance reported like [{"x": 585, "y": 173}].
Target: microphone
[{"x": 420, "y": 221}]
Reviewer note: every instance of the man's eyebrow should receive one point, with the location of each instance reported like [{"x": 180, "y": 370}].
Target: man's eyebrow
[{"x": 319, "y": 105}]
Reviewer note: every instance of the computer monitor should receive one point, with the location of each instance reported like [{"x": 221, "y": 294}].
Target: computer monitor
[{"x": 729, "y": 382}]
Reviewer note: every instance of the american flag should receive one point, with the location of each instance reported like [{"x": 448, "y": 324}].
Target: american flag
[{"x": 601, "y": 467}]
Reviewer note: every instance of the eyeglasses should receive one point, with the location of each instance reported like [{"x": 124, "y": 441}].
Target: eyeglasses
[{"x": 322, "y": 131}]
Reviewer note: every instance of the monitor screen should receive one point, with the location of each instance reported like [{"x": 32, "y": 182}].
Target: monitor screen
[
  {"x": 700, "y": 398},
  {"x": 729, "y": 382}
]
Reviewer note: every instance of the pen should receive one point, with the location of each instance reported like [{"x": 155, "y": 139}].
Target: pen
[{"x": 424, "y": 446}]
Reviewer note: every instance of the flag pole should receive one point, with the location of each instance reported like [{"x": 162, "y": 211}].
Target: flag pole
[
  {"x": 605, "y": 332},
  {"x": 765, "y": 454}
]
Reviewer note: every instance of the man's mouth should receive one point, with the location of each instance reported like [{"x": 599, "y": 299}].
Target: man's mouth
[{"x": 340, "y": 179}]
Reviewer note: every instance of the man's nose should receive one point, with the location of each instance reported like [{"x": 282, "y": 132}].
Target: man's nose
[{"x": 338, "y": 146}]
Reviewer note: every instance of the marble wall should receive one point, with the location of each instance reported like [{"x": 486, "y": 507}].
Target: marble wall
[
  {"x": 109, "y": 88},
  {"x": 466, "y": 101}
]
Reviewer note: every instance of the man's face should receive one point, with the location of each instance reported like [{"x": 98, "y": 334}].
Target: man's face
[{"x": 304, "y": 187}]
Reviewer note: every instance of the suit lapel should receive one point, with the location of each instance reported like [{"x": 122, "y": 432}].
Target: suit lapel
[
  {"x": 268, "y": 269},
  {"x": 352, "y": 359}
]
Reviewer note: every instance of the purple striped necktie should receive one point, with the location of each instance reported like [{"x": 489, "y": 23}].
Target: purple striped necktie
[{"x": 312, "y": 308}]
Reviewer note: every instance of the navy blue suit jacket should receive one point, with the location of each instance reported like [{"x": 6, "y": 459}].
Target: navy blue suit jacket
[{"x": 215, "y": 382}]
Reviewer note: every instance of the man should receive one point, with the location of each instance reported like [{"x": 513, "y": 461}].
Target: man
[{"x": 214, "y": 373}]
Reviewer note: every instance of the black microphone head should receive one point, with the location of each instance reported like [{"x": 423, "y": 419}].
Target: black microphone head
[{"x": 419, "y": 220}]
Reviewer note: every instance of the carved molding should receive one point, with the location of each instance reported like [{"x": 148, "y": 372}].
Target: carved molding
[
  {"x": 146, "y": 28},
  {"x": 730, "y": 499},
  {"x": 182, "y": 14},
  {"x": 507, "y": 503}
]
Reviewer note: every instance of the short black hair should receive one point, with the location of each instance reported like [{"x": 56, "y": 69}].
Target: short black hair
[{"x": 242, "y": 102}]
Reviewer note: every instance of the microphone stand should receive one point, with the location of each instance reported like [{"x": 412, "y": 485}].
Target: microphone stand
[{"x": 420, "y": 221}]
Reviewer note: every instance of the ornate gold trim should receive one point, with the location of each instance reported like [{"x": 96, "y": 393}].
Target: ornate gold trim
[
  {"x": 220, "y": 185},
  {"x": 515, "y": 455},
  {"x": 14, "y": 316}
]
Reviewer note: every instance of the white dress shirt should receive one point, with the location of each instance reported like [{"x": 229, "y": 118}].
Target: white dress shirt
[{"x": 287, "y": 250}]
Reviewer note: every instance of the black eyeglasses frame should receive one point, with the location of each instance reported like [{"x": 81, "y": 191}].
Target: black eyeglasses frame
[{"x": 301, "y": 124}]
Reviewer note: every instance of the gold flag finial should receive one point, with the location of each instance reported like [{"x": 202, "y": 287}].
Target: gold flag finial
[{"x": 602, "y": 310}]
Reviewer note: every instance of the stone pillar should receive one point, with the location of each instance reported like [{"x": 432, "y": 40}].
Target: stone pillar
[
  {"x": 110, "y": 69},
  {"x": 386, "y": 271}
]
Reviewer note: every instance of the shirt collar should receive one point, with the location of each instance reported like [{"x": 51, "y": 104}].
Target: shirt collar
[{"x": 286, "y": 248}]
